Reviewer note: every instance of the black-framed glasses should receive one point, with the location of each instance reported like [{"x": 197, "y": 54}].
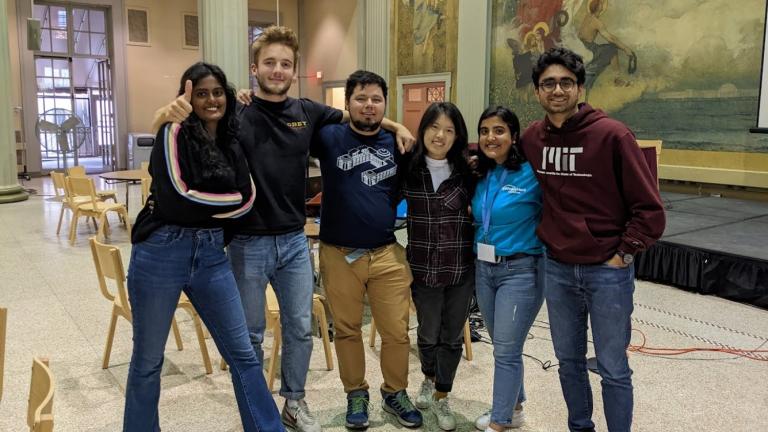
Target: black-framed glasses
[{"x": 566, "y": 84}]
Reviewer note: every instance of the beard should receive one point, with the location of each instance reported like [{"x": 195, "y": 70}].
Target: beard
[
  {"x": 279, "y": 91},
  {"x": 365, "y": 126}
]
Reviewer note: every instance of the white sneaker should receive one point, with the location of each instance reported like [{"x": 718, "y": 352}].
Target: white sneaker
[
  {"x": 445, "y": 418},
  {"x": 484, "y": 421},
  {"x": 424, "y": 399},
  {"x": 297, "y": 417}
]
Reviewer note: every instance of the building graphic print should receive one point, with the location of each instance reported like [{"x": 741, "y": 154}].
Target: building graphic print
[{"x": 383, "y": 163}]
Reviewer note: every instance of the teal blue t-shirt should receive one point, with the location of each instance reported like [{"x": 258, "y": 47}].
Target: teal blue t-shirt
[{"x": 514, "y": 214}]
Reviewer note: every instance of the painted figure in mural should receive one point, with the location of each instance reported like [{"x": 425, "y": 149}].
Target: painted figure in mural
[
  {"x": 538, "y": 29},
  {"x": 603, "y": 54},
  {"x": 601, "y": 207},
  {"x": 359, "y": 255},
  {"x": 427, "y": 19}
]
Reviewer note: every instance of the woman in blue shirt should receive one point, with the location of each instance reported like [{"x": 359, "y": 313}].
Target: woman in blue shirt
[{"x": 506, "y": 208}]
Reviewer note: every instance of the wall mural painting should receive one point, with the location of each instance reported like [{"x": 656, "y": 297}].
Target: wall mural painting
[
  {"x": 684, "y": 71},
  {"x": 423, "y": 38}
]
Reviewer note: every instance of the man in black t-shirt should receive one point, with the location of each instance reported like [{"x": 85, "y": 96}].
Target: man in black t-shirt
[{"x": 270, "y": 246}]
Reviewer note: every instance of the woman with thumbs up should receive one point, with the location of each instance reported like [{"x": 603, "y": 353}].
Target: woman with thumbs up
[{"x": 200, "y": 180}]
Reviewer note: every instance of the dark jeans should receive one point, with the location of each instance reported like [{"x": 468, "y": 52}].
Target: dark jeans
[
  {"x": 601, "y": 294},
  {"x": 442, "y": 313},
  {"x": 172, "y": 260}
]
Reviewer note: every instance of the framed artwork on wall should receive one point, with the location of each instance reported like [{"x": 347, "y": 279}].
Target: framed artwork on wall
[
  {"x": 191, "y": 33},
  {"x": 137, "y": 23}
]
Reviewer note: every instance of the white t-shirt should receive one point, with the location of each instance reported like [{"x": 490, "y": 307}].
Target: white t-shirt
[{"x": 440, "y": 170}]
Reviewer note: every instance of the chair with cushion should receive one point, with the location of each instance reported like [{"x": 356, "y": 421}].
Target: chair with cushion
[
  {"x": 41, "y": 389},
  {"x": 93, "y": 207},
  {"x": 103, "y": 194},
  {"x": 109, "y": 265}
]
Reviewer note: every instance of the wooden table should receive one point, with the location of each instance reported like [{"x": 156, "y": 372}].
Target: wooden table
[{"x": 128, "y": 177}]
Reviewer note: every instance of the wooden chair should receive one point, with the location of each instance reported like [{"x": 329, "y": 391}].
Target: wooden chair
[
  {"x": 83, "y": 187},
  {"x": 68, "y": 202},
  {"x": 103, "y": 194},
  {"x": 41, "y": 389},
  {"x": 3, "y": 326},
  {"x": 273, "y": 323},
  {"x": 467, "y": 336},
  {"x": 109, "y": 265}
]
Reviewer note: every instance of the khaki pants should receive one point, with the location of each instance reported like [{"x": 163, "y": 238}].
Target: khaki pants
[{"x": 384, "y": 275}]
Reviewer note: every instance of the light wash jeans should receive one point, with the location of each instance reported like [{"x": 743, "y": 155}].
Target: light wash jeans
[
  {"x": 509, "y": 294},
  {"x": 283, "y": 261},
  {"x": 602, "y": 294},
  {"x": 175, "y": 259}
]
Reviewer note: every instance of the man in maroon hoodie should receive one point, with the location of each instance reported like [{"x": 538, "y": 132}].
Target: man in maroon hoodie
[{"x": 601, "y": 207}]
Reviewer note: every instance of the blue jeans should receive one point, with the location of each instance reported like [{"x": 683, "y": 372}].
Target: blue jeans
[
  {"x": 283, "y": 261},
  {"x": 172, "y": 260},
  {"x": 509, "y": 295},
  {"x": 602, "y": 293}
]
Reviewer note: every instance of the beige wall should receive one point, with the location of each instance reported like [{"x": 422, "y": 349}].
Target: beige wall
[
  {"x": 153, "y": 72},
  {"x": 329, "y": 43}
]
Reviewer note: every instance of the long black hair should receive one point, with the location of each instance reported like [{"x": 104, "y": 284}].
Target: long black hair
[
  {"x": 515, "y": 157},
  {"x": 457, "y": 154},
  {"x": 210, "y": 157}
]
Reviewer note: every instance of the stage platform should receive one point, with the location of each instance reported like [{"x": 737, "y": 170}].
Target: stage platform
[{"x": 711, "y": 245}]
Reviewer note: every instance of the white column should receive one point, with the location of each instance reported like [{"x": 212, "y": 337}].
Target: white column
[
  {"x": 473, "y": 64},
  {"x": 10, "y": 190},
  {"x": 224, "y": 30},
  {"x": 376, "y": 33}
]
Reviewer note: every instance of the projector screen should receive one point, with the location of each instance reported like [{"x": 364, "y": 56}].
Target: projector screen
[{"x": 762, "y": 109}]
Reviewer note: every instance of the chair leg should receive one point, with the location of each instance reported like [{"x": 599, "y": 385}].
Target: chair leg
[
  {"x": 93, "y": 220},
  {"x": 110, "y": 338},
  {"x": 277, "y": 336},
  {"x": 177, "y": 334},
  {"x": 223, "y": 364},
  {"x": 319, "y": 311},
  {"x": 467, "y": 342},
  {"x": 203, "y": 346},
  {"x": 126, "y": 221},
  {"x": 372, "y": 337},
  {"x": 73, "y": 227},
  {"x": 61, "y": 217}
]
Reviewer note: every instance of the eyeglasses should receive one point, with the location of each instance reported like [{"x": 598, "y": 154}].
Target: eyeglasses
[{"x": 549, "y": 85}]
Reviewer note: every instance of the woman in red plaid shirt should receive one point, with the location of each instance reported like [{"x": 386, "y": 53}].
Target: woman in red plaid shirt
[{"x": 438, "y": 187}]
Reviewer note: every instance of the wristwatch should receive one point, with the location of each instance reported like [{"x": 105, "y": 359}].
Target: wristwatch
[{"x": 627, "y": 258}]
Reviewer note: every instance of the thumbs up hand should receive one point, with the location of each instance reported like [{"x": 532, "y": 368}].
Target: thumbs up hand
[{"x": 181, "y": 107}]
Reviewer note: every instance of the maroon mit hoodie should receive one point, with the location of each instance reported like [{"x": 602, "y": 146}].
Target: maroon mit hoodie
[{"x": 599, "y": 195}]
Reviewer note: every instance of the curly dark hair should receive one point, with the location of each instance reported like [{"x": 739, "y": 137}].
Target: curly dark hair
[
  {"x": 210, "y": 157},
  {"x": 515, "y": 157}
]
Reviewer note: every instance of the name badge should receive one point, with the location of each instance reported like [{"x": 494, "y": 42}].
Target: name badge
[
  {"x": 486, "y": 252},
  {"x": 354, "y": 255}
]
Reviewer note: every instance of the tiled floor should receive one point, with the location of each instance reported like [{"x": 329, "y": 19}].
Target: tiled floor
[{"x": 56, "y": 310}]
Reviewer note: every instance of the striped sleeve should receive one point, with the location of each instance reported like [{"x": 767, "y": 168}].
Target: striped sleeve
[
  {"x": 174, "y": 173},
  {"x": 242, "y": 210}
]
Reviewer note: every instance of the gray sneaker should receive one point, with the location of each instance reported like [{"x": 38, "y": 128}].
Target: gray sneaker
[
  {"x": 424, "y": 399},
  {"x": 298, "y": 418},
  {"x": 445, "y": 418},
  {"x": 518, "y": 419}
]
